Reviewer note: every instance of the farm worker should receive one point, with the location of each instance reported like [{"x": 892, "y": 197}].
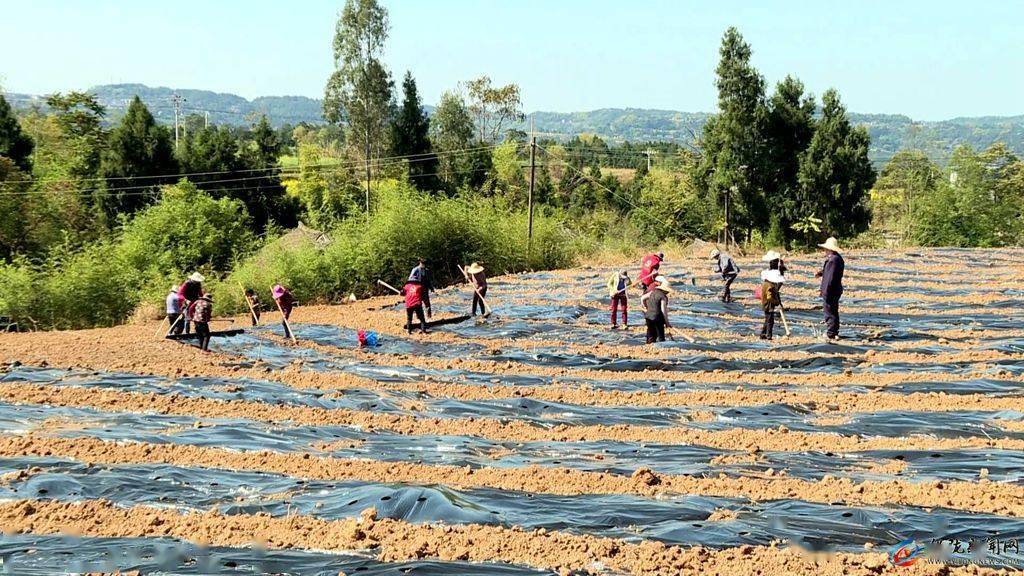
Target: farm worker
[
  {"x": 617, "y": 285},
  {"x": 413, "y": 292},
  {"x": 771, "y": 285},
  {"x": 649, "y": 267},
  {"x": 478, "y": 278},
  {"x": 189, "y": 292},
  {"x": 254, "y": 303},
  {"x": 286, "y": 301},
  {"x": 831, "y": 275},
  {"x": 174, "y": 310},
  {"x": 655, "y": 304},
  {"x": 202, "y": 312},
  {"x": 421, "y": 274},
  {"x": 726, "y": 266}
]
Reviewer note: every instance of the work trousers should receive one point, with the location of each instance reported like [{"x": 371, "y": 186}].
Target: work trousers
[
  {"x": 426, "y": 303},
  {"x": 655, "y": 330},
  {"x": 727, "y": 279},
  {"x": 831, "y": 310},
  {"x": 418, "y": 311},
  {"x": 478, "y": 297},
  {"x": 769, "y": 323},
  {"x": 620, "y": 299},
  {"x": 203, "y": 331},
  {"x": 174, "y": 324}
]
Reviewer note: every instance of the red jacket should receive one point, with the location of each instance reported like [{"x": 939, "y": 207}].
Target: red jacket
[
  {"x": 648, "y": 268},
  {"x": 413, "y": 294}
]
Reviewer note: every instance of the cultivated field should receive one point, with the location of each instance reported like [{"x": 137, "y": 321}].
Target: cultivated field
[{"x": 538, "y": 440}]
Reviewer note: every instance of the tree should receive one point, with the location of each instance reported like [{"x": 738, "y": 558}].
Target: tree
[
  {"x": 80, "y": 116},
  {"x": 410, "y": 136},
  {"x": 732, "y": 143},
  {"x": 905, "y": 181},
  {"x": 138, "y": 152},
  {"x": 493, "y": 107},
  {"x": 835, "y": 173},
  {"x": 14, "y": 143},
  {"x": 788, "y": 129},
  {"x": 14, "y": 200},
  {"x": 264, "y": 195},
  {"x": 359, "y": 91},
  {"x": 451, "y": 134},
  {"x": 326, "y": 193}
]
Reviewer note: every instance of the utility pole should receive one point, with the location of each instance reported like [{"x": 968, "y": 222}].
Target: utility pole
[
  {"x": 529, "y": 197},
  {"x": 366, "y": 120},
  {"x": 648, "y": 153},
  {"x": 177, "y": 100},
  {"x": 206, "y": 121}
]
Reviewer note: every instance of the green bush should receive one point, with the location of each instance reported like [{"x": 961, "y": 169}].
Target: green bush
[{"x": 406, "y": 225}]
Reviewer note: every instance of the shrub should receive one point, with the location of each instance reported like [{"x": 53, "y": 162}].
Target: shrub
[{"x": 406, "y": 225}]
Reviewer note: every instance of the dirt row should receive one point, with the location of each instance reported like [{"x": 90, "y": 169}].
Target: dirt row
[
  {"x": 393, "y": 541},
  {"x": 982, "y": 496},
  {"x": 765, "y": 439}
]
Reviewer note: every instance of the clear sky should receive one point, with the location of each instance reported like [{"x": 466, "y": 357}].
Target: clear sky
[{"x": 931, "y": 60}]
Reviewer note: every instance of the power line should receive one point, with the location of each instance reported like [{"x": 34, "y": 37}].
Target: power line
[
  {"x": 296, "y": 171},
  {"x": 387, "y": 160}
]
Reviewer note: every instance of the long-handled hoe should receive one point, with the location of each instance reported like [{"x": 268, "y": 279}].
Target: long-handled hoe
[{"x": 487, "y": 308}]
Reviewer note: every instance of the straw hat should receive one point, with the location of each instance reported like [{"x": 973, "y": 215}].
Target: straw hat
[
  {"x": 474, "y": 268},
  {"x": 197, "y": 277},
  {"x": 277, "y": 291},
  {"x": 830, "y": 244},
  {"x": 663, "y": 284},
  {"x": 771, "y": 255},
  {"x": 715, "y": 253},
  {"x": 175, "y": 288}
]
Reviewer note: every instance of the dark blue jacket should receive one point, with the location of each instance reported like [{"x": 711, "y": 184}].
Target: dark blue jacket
[{"x": 832, "y": 277}]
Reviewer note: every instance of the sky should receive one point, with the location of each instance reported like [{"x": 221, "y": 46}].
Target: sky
[{"x": 930, "y": 60}]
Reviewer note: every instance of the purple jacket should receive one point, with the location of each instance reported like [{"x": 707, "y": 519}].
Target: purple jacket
[{"x": 832, "y": 277}]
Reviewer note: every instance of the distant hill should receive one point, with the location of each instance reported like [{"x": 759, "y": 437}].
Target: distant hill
[{"x": 889, "y": 132}]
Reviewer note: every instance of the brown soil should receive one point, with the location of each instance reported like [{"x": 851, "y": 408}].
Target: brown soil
[
  {"x": 398, "y": 541},
  {"x": 1005, "y": 499},
  {"x": 771, "y": 439}
]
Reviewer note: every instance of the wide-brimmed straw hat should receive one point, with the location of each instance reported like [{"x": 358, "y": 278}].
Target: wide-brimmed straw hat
[
  {"x": 197, "y": 277},
  {"x": 277, "y": 291},
  {"x": 830, "y": 244},
  {"x": 663, "y": 284},
  {"x": 715, "y": 253},
  {"x": 474, "y": 268},
  {"x": 175, "y": 288},
  {"x": 771, "y": 255}
]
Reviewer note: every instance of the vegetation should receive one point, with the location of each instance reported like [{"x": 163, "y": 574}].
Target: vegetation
[{"x": 102, "y": 213}]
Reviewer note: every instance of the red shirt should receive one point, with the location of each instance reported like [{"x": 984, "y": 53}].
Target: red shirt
[
  {"x": 413, "y": 294},
  {"x": 648, "y": 266}
]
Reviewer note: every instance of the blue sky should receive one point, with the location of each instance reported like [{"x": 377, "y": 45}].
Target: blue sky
[{"x": 930, "y": 60}]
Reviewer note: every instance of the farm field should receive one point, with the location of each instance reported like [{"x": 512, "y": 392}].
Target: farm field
[{"x": 537, "y": 441}]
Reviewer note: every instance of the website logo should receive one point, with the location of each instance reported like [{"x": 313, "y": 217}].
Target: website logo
[{"x": 906, "y": 553}]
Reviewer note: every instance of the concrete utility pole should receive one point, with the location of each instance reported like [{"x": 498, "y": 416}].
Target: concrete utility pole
[
  {"x": 529, "y": 197},
  {"x": 648, "y": 153},
  {"x": 177, "y": 100}
]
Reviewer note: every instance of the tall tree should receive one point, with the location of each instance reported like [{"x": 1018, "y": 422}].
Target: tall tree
[
  {"x": 835, "y": 172},
  {"x": 359, "y": 93},
  {"x": 410, "y": 136},
  {"x": 138, "y": 150},
  {"x": 451, "y": 134},
  {"x": 788, "y": 129},
  {"x": 80, "y": 117},
  {"x": 732, "y": 142},
  {"x": 14, "y": 143},
  {"x": 493, "y": 107}
]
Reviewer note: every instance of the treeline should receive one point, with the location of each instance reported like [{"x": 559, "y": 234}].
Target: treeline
[{"x": 98, "y": 221}]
